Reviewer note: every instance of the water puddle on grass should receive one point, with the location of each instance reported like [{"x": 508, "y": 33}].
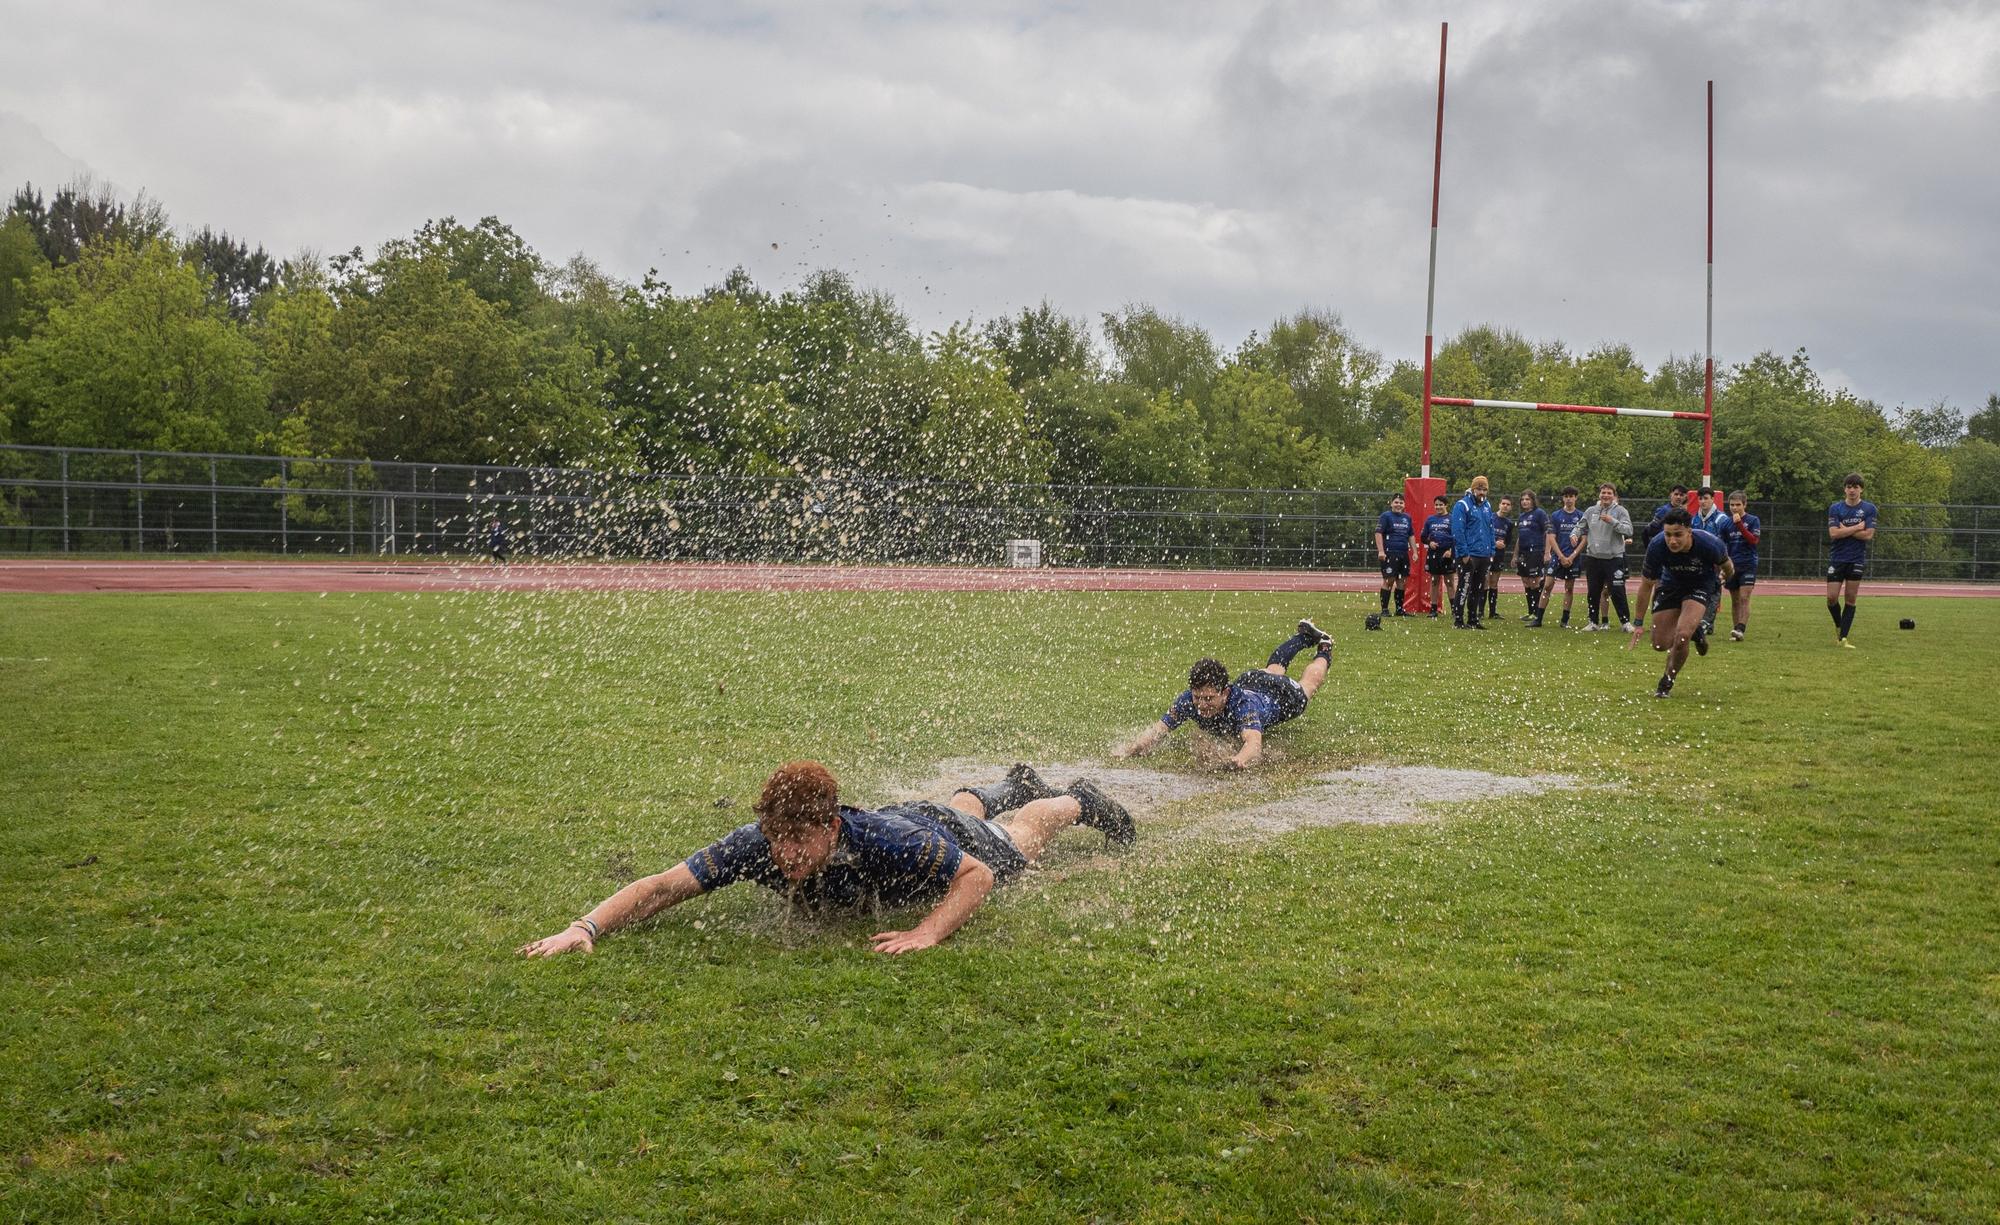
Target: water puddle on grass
[{"x": 1231, "y": 807}]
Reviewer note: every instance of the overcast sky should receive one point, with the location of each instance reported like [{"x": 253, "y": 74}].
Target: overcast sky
[{"x": 1225, "y": 163}]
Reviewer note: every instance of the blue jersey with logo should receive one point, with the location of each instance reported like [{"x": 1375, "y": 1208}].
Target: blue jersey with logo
[
  {"x": 1257, "y": 701},
  {"x": 889, "y": 858},
  {"x": 1840, "y": 514},
  {"x": 1503, "y": 534},
  {"x": 1711, "y": 521},
  {"x": 1533, "y": 530},
  {"x": 1437, "y": 534},
  {"x": 1395, "y": 528},
  {"x": 1742, "y": 541},
  {"x": 1562, "y": 523},
  {"x": 1698, "y": 569}
]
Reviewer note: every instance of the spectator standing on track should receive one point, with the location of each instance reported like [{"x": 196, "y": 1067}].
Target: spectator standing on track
[
  {"x": 496, "y": 540},
  {"x": 1472, "y": 531},
  {"x": 1565, "y": 555},
  {"x": 1438, "y": 561},
  {"x": 1850, "y": 524},
  {"x": 1605, "y": 530},
  {"x": 1531, "y": 535},
  {"x": 1392, "y": 549},
  {"x": 1740, "y": 533}
]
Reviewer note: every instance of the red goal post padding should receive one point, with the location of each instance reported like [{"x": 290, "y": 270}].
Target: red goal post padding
[{"x": 1417, "y": 494}]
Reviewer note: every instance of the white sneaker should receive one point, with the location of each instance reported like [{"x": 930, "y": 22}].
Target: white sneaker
[
  {"x": 1626, "y": 626},
  {"x": 1590, "y": 627},
  {"x": 1735, "y": 635}
]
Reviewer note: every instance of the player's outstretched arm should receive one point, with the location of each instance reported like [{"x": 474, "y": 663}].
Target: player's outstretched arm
[
  {"x": 1640, "y": 605},
  {"x": 969, "y": 887},
  {"x": 1144, "y": 743},
  {"x": 1252, "y": 751},
  {"x": 641, "y": 899}
]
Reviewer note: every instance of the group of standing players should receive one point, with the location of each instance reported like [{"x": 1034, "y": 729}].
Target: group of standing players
[{"x": 1693, "y": 552}]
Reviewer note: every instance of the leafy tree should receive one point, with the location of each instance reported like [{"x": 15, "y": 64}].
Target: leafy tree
[
  {"x": 1156, "y": 353},
  {"x": 84, "y": 213},
  {"x": 1255, "y": 432},
  {"x": 1038, "y": 343},
  {"x": 1332, "y": 378},
  {"x": 490, "y": 259},
  {"x": 1985, "y": 424},
  {"x": 20, "y": 259},
  {"x": 129, "y": 351},
  {"x": 1153, "y": 440},
  {"x": 237, "y": 273}
]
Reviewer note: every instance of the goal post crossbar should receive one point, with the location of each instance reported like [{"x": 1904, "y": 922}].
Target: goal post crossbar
[
  {"x": 1603, "y": 410},
  {"x": 1706, "y": 416}
]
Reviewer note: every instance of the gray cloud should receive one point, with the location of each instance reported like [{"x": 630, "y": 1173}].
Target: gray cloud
[{"x": 1227, "y": 165}]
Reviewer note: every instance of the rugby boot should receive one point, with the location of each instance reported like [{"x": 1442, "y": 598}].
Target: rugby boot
[{"x": 1101, "y": 812}]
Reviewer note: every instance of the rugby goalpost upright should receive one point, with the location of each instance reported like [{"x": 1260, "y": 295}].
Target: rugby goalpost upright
[{"x": 1418, "y": 492}]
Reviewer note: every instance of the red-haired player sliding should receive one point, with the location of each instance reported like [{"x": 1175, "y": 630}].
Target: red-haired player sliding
[{"x": 825, "y": 856}]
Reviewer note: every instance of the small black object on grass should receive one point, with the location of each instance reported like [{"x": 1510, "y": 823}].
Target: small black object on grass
[
  {"x": 1908, "y": 623},
  {"x": 1373, "y": 621}
]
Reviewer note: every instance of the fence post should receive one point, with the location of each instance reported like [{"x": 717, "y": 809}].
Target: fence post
[
  {"x": 284, "y": 507},
  {"x": 350, "y": 510},
  {"x": 139, "y": 483},
  {"x": 212, "y": 543},
  {"x": 65, "y": 489}
]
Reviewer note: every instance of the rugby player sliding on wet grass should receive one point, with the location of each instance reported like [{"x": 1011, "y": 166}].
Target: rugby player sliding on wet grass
[
  {"x": 1260, "y": 699},
  {"x": 825, "y": 856},
  {"x": 1689, "y": 567}
]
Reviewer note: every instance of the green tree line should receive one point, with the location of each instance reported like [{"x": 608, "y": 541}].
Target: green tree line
[{"x": 460, "y": 344}]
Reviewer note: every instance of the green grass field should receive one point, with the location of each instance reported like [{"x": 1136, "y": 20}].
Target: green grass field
[{"x": 265, "y": 861}]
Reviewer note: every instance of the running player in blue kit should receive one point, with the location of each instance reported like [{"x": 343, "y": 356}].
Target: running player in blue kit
[
  {"x": 1688, "y": 567},
  {"x": 1850, "y": 524},
  {"x": 1258, "y": 701},
  {"x": 1392, "y": 549}
]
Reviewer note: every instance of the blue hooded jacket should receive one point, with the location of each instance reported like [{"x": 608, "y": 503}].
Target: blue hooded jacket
[{"x": 1472, "y": 526}]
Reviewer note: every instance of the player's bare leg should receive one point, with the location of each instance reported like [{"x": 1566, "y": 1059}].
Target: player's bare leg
[{"x": 1674, "y": 635}]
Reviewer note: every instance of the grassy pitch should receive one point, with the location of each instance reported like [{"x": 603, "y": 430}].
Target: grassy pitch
[{"x": 266, "y": 858}]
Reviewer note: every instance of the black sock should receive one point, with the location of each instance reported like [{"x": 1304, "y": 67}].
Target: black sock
[
  {"x": 1741, "y": 626},
  {"x": 1565, "y": 619},
  {"x": 1400, "y": 597},
  {"x": 1385, "y": 599},
  {"x": 1290, "y": 647},
  {"x": 1846, "y": 620},
  {"x": 1833, "y": 610}
]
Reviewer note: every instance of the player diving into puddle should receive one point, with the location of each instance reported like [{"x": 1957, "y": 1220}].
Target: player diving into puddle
[
  {"x": 1260, "y": 699},
  {"x": 1689, "y": 567},
  {"x": 828, "y": 857}
]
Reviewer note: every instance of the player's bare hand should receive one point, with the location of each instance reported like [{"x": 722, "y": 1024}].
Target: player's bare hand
[
  {"x": 1634, "y": 639},
  {"x": 568, "y": 940},
  {"x": 894, "y": 943}
]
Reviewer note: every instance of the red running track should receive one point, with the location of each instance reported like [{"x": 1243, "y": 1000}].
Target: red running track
[{"x": 71, "y": 577}]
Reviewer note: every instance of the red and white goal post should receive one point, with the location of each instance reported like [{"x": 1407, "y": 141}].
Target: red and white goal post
[{"x": 1418, "y": 492}]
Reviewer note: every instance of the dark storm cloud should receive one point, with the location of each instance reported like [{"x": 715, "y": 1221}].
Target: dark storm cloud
[{"x": 1225, "y": 164}]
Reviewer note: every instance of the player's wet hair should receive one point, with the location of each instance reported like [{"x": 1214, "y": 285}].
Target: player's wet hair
[
  {"x": 1569, "y": 491},
  {"x": 1680, "y": 489},
  {"x": 1607, "y": 485},
  {"x": 1678, "y": 516},
  {"x": 1438, "y": 500},
  {"x": 1208, "y": 674},
  {"x": 1853, "y": 478},
  {"x": 800, "y": 796},
  {"x": 1529, "y": 495},
  {"x": 1738, "y": 495}
]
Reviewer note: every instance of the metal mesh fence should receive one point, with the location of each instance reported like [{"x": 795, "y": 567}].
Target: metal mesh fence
[{"x": 80, "y": 500}]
